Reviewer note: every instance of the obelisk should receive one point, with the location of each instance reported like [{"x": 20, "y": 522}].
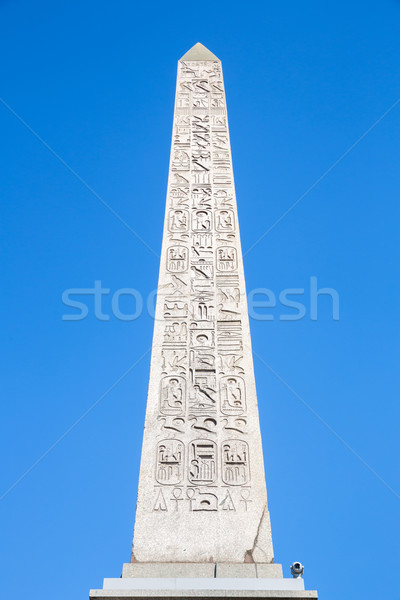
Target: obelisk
[{"x": 202, "y": 507}]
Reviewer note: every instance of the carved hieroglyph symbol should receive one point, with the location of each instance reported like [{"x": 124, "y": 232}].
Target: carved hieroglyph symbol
[
  {"x": 226, "y": 259},
  {"x": 224, "y": 221},
  {"x": 178, "y": 221},
  {"x": 174, "y": 361},
  {"x": 235, "y": 462},
  {"x": 203, "y": 423},
  {"x": 201, "y": 220},
  {"x": 230, "y": 363},
  {"x": 172, "y": 425},
  {"x": 233, "y": 395},
  {"x": 177, "y": 259},
  {"x": 235, "y": 424},
  {"x": 201, "y": 197},
  {"x": 202, "y": 311},
  {"x": 179, "y": 196},
  {"x": 173, "y": 395},
  {"x": 160, "y": 504},
  {"x": 230, "y": 336},
  {"x": 202, "y": 269},
  {"x": 180, "y": 161},
  {"x": 170, "y": 462},
  {"x": 223, "y": 198},
  {"x": 174, "y": 287},
  {"x": 202, "y": 399},
  {"x": 227, "y": 502},
  {"x": 245, "y": 497},
  {"x": 201, "y": 337},
  {"x": 202, "y": 462},
  {"x": 175, "y": 332},
  {"x": 228, "y": 307},
  {"x": 177, "y": 497},
  {"x": 174, "y": 309},
  {"x": 202, "y": 243},
  {"x": 200, "y": 500}
]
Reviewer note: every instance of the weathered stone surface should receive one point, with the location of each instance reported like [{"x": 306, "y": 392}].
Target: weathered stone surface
[
  {"x": 203, "y": 588},
  {"x": 267, "y": 571},
  {"x": 193, "y": 570},
  {"x": 204, "y": 583},
  {"x": 168, "y": 570},
  {"x": 202, "y": 494}
]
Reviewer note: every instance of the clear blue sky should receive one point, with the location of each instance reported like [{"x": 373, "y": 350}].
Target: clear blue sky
[{"x": 96, "y": 81}]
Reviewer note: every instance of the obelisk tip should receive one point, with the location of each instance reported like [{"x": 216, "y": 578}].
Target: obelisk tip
[{"x": 199, "y": 52}]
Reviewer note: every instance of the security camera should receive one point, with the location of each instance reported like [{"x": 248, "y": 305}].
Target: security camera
[{"x": 296, "y": 569}]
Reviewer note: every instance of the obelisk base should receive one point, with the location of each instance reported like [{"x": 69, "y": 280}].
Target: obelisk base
[{"x": 202, "y": 580}]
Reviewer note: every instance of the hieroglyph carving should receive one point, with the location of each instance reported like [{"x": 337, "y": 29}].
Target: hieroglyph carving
[
  {"x": 202, "y": 462},
  {"x": 235, "y": 462},
  {"x": 177, "y": 260},
  {"x": 233, "y": 396},
  {"x": 170, "y": 462},
  {"x": 173, "y": 395}
]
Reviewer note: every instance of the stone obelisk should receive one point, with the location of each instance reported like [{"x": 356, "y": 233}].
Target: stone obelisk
[{"x": 202, "y": 508}]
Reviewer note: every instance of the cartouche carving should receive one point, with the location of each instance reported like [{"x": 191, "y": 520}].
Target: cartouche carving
[
  {"x": 170, "y": 462},
  {"x": 226, "y": 258},
  {"x": 202, "y": 462},
  {"x": 177, "y": 259},
  {"x": 201, "y": 220},
  {"x": 235, "y": 462},
  {"x": 224, "y": 220},
  {"x": 178, "y": 221},
  {"x": 233, "y": 395},
  {"x": 173, "y": 395}
]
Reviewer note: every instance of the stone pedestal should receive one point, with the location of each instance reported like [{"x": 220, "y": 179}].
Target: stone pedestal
[{"x": 202, "y": 580}]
